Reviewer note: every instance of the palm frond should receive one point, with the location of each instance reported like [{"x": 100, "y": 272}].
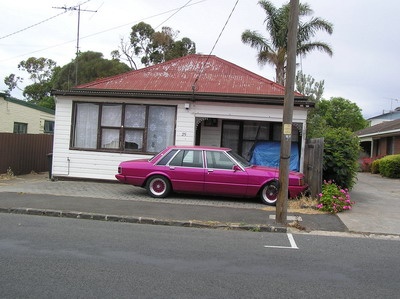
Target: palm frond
[
  {"x": 255, "y": 40},
  {"x": 304, "y": 49}
]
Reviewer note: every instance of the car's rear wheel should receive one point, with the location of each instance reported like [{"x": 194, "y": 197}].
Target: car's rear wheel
[
  {"x": 269, "y": 193},
  {"x": 158, "y": 186}
]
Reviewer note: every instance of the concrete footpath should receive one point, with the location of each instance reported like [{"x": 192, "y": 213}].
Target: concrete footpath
[{"x": 37, "y": 195}]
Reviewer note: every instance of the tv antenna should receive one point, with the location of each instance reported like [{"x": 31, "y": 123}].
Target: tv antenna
[{"x": 76, "y": 8}]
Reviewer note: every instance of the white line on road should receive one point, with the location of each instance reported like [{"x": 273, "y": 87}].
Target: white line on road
[{"x": 292, "y": 243}]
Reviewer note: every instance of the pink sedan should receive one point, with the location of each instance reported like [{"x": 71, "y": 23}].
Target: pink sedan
[{"x": 206, "y": 170}]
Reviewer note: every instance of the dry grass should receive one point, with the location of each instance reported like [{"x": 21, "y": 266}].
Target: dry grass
[
  {"x": 8, "y": 175},
  {"x": 305, "y": 205}
]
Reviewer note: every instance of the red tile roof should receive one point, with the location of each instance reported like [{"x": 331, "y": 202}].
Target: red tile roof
[{"x": 214, "y": 74}]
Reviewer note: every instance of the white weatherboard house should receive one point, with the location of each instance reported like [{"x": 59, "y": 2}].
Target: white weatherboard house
[{"x": 193, "y": 100}]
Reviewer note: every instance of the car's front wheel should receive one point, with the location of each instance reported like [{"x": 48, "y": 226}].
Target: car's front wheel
[
  {"x": 269, "y": 193},
  {"x": 158, "y": 186}
]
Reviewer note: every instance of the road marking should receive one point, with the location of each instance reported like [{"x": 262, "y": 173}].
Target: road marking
[
  {"x": 292, "y": 243},
  {"x": 289, "y": 218}
]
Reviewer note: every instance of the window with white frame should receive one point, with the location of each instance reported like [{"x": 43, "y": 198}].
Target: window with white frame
[{"x": 123, "y": 127}]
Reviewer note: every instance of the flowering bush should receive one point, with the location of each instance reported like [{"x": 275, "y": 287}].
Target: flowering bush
[
  {"x": 365, "y": 165},
  {"x": 334, "y": 199}
]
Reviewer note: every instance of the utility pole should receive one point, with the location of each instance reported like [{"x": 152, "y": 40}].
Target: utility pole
[
  {"x": 77, "y": 8},
  {"x": 286, "y": 136}
]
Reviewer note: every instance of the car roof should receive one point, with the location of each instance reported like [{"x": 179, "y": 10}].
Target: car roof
[{"x": 198, "y": 147}]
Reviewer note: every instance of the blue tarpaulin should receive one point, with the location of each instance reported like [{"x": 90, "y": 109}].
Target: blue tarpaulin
[{"x": 267, "y": 153}]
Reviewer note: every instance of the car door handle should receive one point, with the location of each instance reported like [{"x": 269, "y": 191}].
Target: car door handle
[{"x": 210, "y": 170}]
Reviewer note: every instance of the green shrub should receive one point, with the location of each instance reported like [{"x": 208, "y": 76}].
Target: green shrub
[
  {"x": 341, "y": 149},
  {"x": 389, "y": 166},
  {"x": 375, "y": 166}
]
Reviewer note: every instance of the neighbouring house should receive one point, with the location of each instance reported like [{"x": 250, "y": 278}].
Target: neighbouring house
[
  {"x": 193, "y": 100},
  {"x": 381, "y": 139},
  {"x": 21, "y": 117},
  {"x": 391, "y": 115}
]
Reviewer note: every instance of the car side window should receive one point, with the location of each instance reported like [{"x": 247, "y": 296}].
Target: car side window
[
  {"x": 218, "y": 160},
  {"x": 188, "y": 158},
  {"x": 164, "y": 160}
]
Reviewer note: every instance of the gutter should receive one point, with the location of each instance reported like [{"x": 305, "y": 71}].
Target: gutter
[{"x": 187, "y": 96}]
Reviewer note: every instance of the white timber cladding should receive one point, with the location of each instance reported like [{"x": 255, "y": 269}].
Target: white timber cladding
[
  {"x": 103, "y": 165},
  {"x": 210, "y": 136}
]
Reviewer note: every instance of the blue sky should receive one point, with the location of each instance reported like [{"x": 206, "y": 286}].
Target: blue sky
[{"x": 363, "y": 68}]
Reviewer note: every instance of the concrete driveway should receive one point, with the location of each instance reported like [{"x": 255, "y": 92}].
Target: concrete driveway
[{"x": 377, "y": 207}]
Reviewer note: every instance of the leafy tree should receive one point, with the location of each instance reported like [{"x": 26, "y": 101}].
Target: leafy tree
[
  {"x": 273, "y": 50},
  {"x": 46, "y": 75},
  {"x": 306, "y": 85},
  {"x": 142, "y": 41},
  {"x": 91, "y": 66},
  {"x": 12, "y": 82},
  {"x": 154, "y": 47},
  {"x": 339, "y": 113},
  {"x": 41, "y": 72}
]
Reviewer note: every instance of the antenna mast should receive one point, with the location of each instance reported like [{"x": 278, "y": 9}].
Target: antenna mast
[{"x": 77, "y": 8}]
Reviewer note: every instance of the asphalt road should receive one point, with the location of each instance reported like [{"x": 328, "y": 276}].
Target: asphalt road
[{"x": 45, "y": 257}]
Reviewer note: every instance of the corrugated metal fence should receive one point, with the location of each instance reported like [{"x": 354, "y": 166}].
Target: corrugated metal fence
[{"x": 24, "y": 153}]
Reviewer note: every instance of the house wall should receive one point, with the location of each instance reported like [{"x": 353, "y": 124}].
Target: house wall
[
  {"x": 11, "y": 112},
  {"x": 396, "y": 149},
  {"x": 210, "y": 136},
  {"x": 103, "y": 165},
  {"x": 382, "y": 147}
]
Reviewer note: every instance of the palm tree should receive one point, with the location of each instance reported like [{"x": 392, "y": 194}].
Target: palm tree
[{"x": 274, "y": 50}]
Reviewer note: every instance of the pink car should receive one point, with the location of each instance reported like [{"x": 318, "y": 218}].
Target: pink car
[{"x": 206, "y": 170}]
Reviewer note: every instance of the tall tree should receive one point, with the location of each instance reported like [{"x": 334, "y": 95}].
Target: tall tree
[
  {"x": 40, "y": 72},
  {"x": 273, "y": 49},
  {"x": 335, "y": 113},
  {"x": 306, "y": 85},
  {"x": 92, "y": 66},
  {"x": 153, "y": 47}
]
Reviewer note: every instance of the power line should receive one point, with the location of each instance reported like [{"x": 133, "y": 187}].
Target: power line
[
  {"x": 29, "y": 27},
  {"x": 106, "y": 30},
  {"x": 219, "y": 36},
  {"x": 178, "y": 10}
]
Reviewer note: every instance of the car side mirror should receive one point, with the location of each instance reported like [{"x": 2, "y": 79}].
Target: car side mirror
[{"x": 236, "y": 168}]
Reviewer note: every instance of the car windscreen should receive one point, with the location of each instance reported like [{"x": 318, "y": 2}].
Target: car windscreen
[{"x": 242, "y": 161}]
